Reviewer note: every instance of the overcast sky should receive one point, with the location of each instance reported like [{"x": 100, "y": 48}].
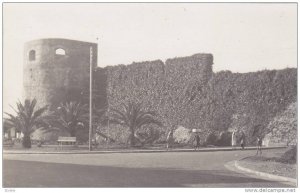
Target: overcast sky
[{"x": 242, "y": 37}]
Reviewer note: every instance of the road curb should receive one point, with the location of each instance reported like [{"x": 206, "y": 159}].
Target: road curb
[
  {"x": 139, "y": 151},
  {"x": 291, "y": 181}
]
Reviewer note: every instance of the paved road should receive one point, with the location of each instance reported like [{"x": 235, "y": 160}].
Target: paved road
[{"x": 169, "y": 169}]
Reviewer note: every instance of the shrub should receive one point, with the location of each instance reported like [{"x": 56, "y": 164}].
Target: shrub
[
  {"x": 290, "y": 156},
  {"x": 118, "y": 133},
  {"x": 224, "y": 139},
  {"x": 182, "y": 135},
  {"x": 148, "y": 135},
  {"x": 211, "y": 139},
  {"x": 8, "y": 142}
]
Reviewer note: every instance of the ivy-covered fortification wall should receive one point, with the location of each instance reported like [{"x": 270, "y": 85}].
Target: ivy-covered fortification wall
[
  {"x": 185, "y": 91},
  {"x": 165, "y": 88}
]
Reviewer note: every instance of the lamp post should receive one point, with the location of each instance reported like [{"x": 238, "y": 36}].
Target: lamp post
[{"x": 91, "y": 92}]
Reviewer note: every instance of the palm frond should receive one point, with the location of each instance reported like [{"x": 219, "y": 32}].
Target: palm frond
[
  {"x": 27, "y": 118},
  {"x": 117, "y": 121},
  {"x": 116, "y": 114},
  {"x": 147, "y": 121},
  {"x": 133, "y": 116},
  {"x": 15, "y": 121},
  {"x": 31, "y": 107},
  {"x": 39, "y": 112},
  {"x": 69, "y": 114}
]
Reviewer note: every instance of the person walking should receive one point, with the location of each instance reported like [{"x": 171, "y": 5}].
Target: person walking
[
  {"x": 243, "y": 140},
  {"x": 170, "y": 139},
  {"x": 197, "y": 141},
  {"x": 259, "y": 145},
  {"x": 233, "y": 139},
  {"x": 243, "y": 143}
]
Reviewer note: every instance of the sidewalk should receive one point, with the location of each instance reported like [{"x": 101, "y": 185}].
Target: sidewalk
[{"x": 212, "y": 149}]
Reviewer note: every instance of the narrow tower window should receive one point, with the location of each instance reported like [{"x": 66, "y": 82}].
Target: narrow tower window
[
  {"x": 60, "y": 51},
  {"x": 32, "y": 55}
]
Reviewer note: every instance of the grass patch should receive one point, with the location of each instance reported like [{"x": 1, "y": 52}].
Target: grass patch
[{"x": 281, "y": 164}]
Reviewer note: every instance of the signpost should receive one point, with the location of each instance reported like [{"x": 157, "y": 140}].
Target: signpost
[
  {"x": 196, "y": 130},
  {"x": 91, "y": 92}
]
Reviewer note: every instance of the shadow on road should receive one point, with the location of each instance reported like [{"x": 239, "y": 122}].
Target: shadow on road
[{"x": 39, "y": 174}]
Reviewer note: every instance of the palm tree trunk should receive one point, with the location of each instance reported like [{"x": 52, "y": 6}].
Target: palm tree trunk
[
  {"x": 73, "y": 130},
  {"x": 26, "y": 143},
  {"x": 131, "y": 137},
  {"x": 73, "y": 133}
]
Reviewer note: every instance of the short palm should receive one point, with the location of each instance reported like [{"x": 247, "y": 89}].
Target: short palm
[
  {"x": 70, "y": 117},
  {"x": 27, "y": 119},
  {"x": 133, "y": 117}
]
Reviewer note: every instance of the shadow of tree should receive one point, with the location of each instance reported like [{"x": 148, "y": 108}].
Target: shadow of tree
[{"x": 38, "y": 174}]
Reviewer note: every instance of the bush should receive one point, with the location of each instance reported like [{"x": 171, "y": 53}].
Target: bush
[
  {"x": 290, "y": 156},
  {"x": 224, "y": 139},
  {"x": 8, "y": 142},
  {"x": 147, "y": 135},
  {"x": 116, "y": 132},
  {"x": 182, "y": 135},
  {"x": 211, "y": 139}
]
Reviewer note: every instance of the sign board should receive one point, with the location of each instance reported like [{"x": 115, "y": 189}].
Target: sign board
[{"x": 196, "y": 130}]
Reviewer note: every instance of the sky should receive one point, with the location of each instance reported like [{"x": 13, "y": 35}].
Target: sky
[{"x": 243, "y": 37}]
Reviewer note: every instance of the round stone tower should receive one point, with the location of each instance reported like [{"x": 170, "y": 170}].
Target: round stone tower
[{"x": 56, "y": 70}]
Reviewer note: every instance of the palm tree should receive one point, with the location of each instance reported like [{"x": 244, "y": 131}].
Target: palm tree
[
  {"x": 70, "y": 117},
  {"x": 133, "y": 117},
  {"x": 27, "y": 119}
]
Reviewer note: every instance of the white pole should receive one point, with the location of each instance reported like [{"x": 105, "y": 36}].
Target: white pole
[
  {"x": 108, "y": 126},
  {"x": 91, "y": 82},
  {"x": 108, "y": 109}
]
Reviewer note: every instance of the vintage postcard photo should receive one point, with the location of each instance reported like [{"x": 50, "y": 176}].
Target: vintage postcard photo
[{"x": 110, "y": 95}]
